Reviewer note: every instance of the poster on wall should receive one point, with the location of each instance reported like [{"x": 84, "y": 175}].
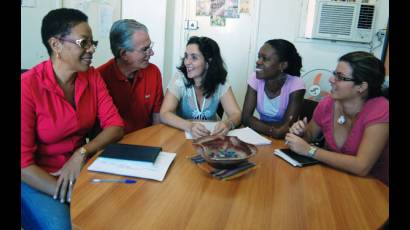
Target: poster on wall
[
  {"x": 244, "y": 6},
  {"x": 203, "y": 7},
  {"x": 218, "y": 7},
  {"x": 218, "y": 20},
  {"x": 231, "y": 9}
]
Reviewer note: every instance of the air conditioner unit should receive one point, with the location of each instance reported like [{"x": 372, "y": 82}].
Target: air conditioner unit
[{"x": 344, "y": 20}]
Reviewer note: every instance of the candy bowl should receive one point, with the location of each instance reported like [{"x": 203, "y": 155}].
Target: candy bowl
[{"x": 224, "y": 151}]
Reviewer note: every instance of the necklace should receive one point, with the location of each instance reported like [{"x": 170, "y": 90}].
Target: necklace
[{"x": 341, "y": 120}]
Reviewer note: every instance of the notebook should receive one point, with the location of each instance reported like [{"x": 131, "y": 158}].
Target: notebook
[
  {"x": 223, "y": 174},
  {"x": 141, "y": 169},
  {"x": 294, "y": 158},
  {"x": 131, "y": 152}
]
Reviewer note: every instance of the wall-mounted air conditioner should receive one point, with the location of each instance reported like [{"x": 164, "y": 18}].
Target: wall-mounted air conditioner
[{"x": 342, "y": 20}]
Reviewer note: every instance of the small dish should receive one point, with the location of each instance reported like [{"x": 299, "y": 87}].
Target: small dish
[{"x": 224, "y": 151}]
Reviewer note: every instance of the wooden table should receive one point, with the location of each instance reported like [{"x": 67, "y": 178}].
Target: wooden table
[{"x": 275, "y": 195}]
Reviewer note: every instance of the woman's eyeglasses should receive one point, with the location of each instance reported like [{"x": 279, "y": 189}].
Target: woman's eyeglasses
[
  {"x": 82, "y": 43},
  {"x": 339, "y": 77}
]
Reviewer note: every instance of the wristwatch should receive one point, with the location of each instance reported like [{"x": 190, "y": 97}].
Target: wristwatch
[
  {"x": 83, "y": 152},
  {"x": 312, "y": 151}
]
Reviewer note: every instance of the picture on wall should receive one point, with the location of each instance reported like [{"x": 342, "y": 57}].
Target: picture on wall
[
  {"x": 231, "y": 9},
  {"x": 218, "y": 20},
  {"x": 218, "y": 7},
  {"x": 244, "y": 6},
  {"x": 203, "y": 7}
]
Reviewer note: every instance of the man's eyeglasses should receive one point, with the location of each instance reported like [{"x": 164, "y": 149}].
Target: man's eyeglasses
[
  {"x": 82, "y": 43},
  {"x": 339, "y": 77},
  {"x": 147, "y": 49}
]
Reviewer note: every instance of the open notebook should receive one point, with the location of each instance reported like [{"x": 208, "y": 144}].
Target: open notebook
[{"x": 246, "y": 134}]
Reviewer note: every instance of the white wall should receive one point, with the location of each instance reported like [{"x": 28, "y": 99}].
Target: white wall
[
  {"x": 277, "y": 19},
  {"x": 152, "y": 14},
  {"x": 280, "y": 19},
  {"x": 32, "y": 49}
]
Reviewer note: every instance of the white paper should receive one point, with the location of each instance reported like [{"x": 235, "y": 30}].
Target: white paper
[
  {"x": 284, "y": 156},
  {"x": 130, "y": 168},
  {"x": 246, "y": 134},
  {"x": 250, "y": 136}
]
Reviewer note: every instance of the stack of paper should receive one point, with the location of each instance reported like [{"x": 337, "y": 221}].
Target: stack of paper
[
  {"x": 246, "y": 134},
  {"x": 141, "y": 169}
]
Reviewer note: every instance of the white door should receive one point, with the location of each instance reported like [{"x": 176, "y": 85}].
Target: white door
[{"x": 236, "y": 41}]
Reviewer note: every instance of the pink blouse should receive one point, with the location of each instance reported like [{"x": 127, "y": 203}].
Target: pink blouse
[
  {"x": 375, "y": 110},
  {"x": 51, "y": 128}
]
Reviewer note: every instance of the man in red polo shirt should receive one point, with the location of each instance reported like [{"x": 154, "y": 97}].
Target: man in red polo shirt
[{"x": 134, "y": 84}]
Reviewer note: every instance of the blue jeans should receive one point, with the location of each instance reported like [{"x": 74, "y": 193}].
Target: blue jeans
[{"x": 41, "y": 211}]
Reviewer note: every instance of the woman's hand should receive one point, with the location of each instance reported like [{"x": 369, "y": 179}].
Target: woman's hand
[
  {"x": 67, "y": 176},
  {"x": 221, "y": 128},
  {"x": 297, "y": 144},
  {"x": 299, "y": 127},
  {"x": 199, "y": 130}
]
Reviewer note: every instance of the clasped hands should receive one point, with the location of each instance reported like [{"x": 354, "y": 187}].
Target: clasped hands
[
  {"x": 67, "y": 176},
  {"x": 199, "y": 130},
  {"x": 294, "y": 140}
]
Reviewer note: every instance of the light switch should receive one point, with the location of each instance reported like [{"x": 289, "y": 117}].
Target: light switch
[{"x": 192, "y": 25}]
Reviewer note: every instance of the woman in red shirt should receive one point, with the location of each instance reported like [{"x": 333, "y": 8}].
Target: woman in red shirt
[{"x": 61, "y": 99}]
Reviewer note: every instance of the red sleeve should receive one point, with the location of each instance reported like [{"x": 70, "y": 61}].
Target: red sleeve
[
  {"x": 107, "y": 112},
  {"x": 159, "y": 96},
  {"x": 28, "y": 117}
]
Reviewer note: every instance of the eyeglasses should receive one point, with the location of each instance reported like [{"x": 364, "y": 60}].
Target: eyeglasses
[
  {"x": 82, "y": 43},
  {"x": 339, "y": 77},
  {"x": 147, "y": 49}
]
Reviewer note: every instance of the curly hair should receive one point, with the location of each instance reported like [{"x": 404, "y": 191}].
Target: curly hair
[
  {"x": 366, "y": 68},
  {"x": 216, "y": 72},
  {"x": 286, "y": 51},
  {"x": 59, "y": 22}
]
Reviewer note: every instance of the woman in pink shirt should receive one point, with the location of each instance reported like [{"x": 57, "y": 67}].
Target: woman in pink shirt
[
  {"x": 61, "y": 99},
  {"x": 354, "y": 120},
  {"x": 274, "y": 89}
]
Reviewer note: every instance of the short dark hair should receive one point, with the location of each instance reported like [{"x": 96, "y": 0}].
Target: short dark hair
[
  {"x": 216, "y": 73},
  {"x": 366, "y": 68},
  {"x": 286, "y": 51},
  {"x": 59, "y": 22}
]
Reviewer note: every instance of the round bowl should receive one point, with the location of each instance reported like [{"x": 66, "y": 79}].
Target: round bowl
[{"x": 224, "y": 151}]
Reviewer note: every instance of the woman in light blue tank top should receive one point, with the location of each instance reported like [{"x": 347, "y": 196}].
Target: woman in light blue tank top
[
  {"x": 274, "y": 89},
  {"x": 195, "y": 92}
]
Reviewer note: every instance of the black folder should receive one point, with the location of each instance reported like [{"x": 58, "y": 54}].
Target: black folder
[
  {"x": 131, "y": 152},
  {"x": 303, "y": 160}
]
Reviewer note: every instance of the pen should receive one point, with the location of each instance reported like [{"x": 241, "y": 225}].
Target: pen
[{"x": 127, "y": 181}]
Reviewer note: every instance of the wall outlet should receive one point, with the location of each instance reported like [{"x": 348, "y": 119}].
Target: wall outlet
[{"x": 380, "y": 35}]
